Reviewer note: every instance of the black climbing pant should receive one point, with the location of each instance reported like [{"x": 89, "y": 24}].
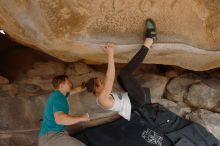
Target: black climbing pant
[{"x": 138, "y": 95}]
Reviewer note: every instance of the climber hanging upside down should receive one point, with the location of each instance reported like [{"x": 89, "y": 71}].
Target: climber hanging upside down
[{"x": 134, "y": 96}]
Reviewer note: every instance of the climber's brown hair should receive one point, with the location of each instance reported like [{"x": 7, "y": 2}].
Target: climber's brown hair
[
  {"x": 91, "y": 85},
  {"x": 57, "y": 80}
]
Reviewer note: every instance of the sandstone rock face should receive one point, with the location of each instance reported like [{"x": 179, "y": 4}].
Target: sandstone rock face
[
  {"x": 20, "y": 113},
  {"x": 41, "y": 74},
  {"x": 200, "y": 91},
  {"x": 208, "y": 119},
  {"x": 78, "y": 68},
  {"x": 8, "y": 90},
  {"x": 178, "y": 87},
  {"x": 46, "y": 69},
  {"x": 26, "y": 138},
  {"x": 3, "y": 80},
  {"x": 156, "y": 83},
  {"x": 188, "y": 31},
  {"x": 203, "y": 96}
]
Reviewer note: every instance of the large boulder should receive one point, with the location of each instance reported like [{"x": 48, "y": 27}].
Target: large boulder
[
  {"x": 19, "y": 138},
  {"x": 8, "y": 90},
  {"x": 208, "y": 119},
  {"x": 156, "y": 83},
  {"x": 204, "y": 95},
  {"x": 178, "y": 87},
  {"x": 46, "y": 69},
  {"x": 78, "y": 68},
  {"x": 188, "y": 31},
  {"x": 45, "y": 84},
  {"x": 41, "y": 74},
  {"x": 3, "y": 80},
  {"x": 21, "y": 113}
]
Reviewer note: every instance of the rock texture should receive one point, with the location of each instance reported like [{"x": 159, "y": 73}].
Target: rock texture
[
  {"x": 156, "y": 83},
  {"x": 71, "y": 30},
  {"x": 3, "y": 80},
  {"x": 208, "y": 119},
  {"x": 203, "y": 96},
  {"x": 178, "y": 87},
  {"x": 199, "y": 91}
]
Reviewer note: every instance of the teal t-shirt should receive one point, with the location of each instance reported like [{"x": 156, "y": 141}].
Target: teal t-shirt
[{"x": 55, "y": 102}]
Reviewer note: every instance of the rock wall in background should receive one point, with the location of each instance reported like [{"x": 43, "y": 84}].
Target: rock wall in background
[
  {"x": 72, "y": 30},
  {"x": 188, "y": 94}
]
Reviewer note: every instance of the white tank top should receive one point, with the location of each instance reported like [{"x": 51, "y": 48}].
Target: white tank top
[{"x": 122, "y": 105}]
